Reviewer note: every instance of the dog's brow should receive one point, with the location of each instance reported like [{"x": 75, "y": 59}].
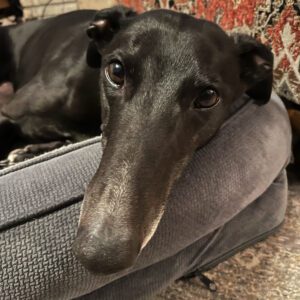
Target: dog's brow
[
  {"x": 204, "y": 79},
  {"x": 144, "y": 37}
]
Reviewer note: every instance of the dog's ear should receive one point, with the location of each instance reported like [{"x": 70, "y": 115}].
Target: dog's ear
[
  {"x": 256, "y": 67},
  {"x": 106, "y": 23}
]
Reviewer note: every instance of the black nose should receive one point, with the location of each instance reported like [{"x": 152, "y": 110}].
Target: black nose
[{"x": 105, "y": 256}]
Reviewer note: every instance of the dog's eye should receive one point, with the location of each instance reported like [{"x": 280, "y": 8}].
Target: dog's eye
[
  {"x": 115, "y": 74},
  {"x": 207, "y": 99}
]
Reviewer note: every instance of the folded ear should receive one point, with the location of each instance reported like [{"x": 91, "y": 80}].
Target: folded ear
[
  {"x": 256, "y": 67},
  {"x": 105, "y": 25}
]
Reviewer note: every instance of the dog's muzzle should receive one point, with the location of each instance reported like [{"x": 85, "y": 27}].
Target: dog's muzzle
[{"x": 105, "y": 255}]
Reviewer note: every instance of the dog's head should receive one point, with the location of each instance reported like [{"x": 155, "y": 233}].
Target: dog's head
[{"x": 167, "y": 83}]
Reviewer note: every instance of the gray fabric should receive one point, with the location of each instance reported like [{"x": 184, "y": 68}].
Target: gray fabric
[
  {"x": 40, "y": 202},
  {"x": 37, "y": 187}
]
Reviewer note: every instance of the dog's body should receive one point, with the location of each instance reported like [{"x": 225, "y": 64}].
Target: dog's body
[
  {"x": 55, "y": 91},
  {"x": 167, "y": 82}
]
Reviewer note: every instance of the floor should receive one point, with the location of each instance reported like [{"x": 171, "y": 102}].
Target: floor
[{"x": 269, "y": 270}]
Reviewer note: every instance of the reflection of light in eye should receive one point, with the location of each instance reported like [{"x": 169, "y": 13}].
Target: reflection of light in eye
[{"x": 109, "y": 79}]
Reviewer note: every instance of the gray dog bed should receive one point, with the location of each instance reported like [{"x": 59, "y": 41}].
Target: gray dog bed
[{"x": 232, "y": 194}]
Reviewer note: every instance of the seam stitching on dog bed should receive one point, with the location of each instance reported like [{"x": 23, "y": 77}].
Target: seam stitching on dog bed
[
  {"x": 50, "y": 155},
  {"x": 41, "y": 213}
]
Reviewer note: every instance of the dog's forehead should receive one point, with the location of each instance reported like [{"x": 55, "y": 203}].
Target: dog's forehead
[
  {"x": 169, "y": 45},
  {"x": 172, "y": 35},
  {"x": 166, "y": 26}
]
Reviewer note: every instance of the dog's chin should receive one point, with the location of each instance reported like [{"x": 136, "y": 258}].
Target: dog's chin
[
  {"x": 108, "y": 261},
  {"x": 98, "y": 268}
]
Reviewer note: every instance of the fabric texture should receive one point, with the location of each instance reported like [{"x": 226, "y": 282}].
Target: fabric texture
[
  {"x": 276, "y": 23},
  {"x": 41, "y": 198}
]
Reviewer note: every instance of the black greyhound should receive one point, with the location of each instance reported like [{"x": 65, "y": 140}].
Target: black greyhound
[{"x": 167, "y": 82}]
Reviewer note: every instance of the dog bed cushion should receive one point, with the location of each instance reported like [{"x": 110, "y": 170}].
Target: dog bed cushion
[{"x": 41, "y": 198}]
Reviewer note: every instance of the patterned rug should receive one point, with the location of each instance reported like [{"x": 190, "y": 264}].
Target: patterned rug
[{"x": 274, "y": 22}]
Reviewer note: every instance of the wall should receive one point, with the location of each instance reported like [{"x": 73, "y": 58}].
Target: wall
[{"x": 39, "y": 8}]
